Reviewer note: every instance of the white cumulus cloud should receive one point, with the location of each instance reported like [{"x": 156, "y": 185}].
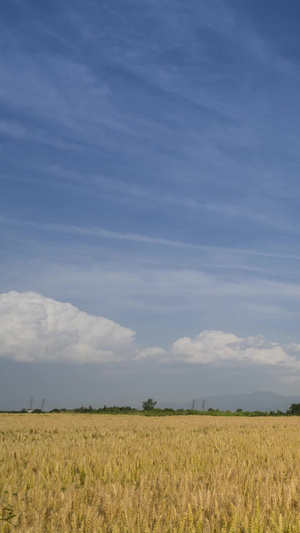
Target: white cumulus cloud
[
  {"x": 215, "y": 347},
  {"x": 34, "y": 328}
]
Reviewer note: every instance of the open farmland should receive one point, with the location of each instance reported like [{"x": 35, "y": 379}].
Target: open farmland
[{"x": 102, "y": 473}]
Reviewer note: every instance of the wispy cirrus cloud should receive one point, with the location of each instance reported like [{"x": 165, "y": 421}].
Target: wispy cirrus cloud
[
  {"x": 99, "y": 232},
  {"x": 12, "y": 129}
]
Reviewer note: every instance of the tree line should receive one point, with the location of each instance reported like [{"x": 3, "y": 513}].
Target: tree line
[{"x": 149, "y": 409}]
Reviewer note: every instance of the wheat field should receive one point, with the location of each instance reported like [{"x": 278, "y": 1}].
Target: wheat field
[{"x": 103, "y": 473}]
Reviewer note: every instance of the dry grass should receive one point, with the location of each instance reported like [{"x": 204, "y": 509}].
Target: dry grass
[{"x": 102, "y": 473}]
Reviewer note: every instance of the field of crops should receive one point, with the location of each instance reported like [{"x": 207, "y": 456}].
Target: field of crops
[{"x": 103, "y": 473}]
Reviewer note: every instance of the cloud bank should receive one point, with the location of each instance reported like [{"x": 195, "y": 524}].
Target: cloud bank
[
  {"x": 34, "y": 328},
  {"x": 216, "y": 347}
]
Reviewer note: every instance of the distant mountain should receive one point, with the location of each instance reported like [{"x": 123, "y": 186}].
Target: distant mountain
[{"x": 256, "y": 401}]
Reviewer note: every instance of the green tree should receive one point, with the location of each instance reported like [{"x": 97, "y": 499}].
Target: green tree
[
  {"x": 294, "y": 409},
  {"x": 149, "y": 404}
]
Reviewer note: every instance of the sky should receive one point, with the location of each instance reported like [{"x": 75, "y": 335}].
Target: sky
[{"x": 149, "y": 200}]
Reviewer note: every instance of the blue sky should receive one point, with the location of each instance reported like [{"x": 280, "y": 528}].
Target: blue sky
[{"x": 150, "y": 173}]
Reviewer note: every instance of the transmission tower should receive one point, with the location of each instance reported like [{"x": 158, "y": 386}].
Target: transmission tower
[
  {"x": 203, "y": 405},
  {"x": 193, "y": 405},
  {"x": 31, "y": 402},
  {"x": 43, "y": 404}
]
